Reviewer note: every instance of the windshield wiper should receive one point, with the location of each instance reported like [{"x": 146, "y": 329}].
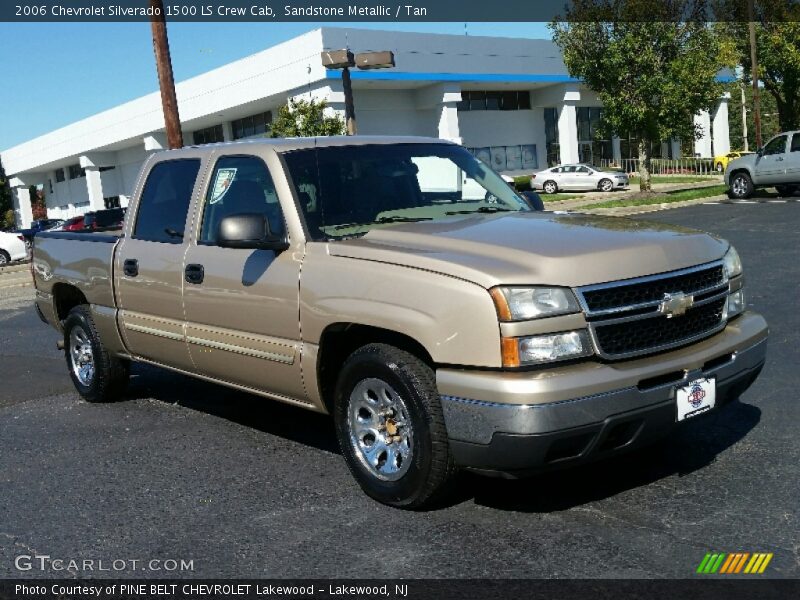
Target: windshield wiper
[
  {"x": 481, "y": 209},
  {"x": 395, "y": 219}
]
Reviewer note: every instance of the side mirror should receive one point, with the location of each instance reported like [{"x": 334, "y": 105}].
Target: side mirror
[
  {"x": 534, "y": 200},
  {"x": 249, "y": 231}
]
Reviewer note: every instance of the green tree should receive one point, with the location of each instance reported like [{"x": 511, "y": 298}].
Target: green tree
[
  {"x": 306, "y": 118},
  {"x": 651, "y": 65},
  {"x": 778, "y": 43}
]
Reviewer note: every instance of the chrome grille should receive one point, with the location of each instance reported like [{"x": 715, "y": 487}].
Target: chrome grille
[{"x": 625, "y": 320}]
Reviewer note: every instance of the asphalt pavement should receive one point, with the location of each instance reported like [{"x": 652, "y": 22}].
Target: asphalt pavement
[{"x": 243, "y": 487}]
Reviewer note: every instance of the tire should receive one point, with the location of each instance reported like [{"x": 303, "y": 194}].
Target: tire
[
  {"x": 549, "y": 187},
  {"x": 741, "y": 186},
  {"x": 605, "y": 185},
  {"x": 5, "y": 258},
  {"x": 720, "y": 168},
  {"x": 785, "y": 190},
  {"x": 377, "y": 384},
  {"x": 102, "y": 377}
]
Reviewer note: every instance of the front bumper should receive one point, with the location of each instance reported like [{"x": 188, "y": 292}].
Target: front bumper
[{"x": 528, "y": 421}]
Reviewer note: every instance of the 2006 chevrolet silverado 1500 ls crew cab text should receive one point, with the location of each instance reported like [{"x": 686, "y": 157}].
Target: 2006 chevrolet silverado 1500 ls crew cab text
[{"x": 402, "y": 286}]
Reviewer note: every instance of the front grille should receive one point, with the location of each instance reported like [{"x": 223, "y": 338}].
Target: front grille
[
  {"x": 652, "y": 290},
  {"x": 649, "y": 334},
  {"x": 625, "y": 318}
]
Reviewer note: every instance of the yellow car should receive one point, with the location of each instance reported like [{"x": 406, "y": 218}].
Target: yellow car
[{"x": 720, "y": 162}]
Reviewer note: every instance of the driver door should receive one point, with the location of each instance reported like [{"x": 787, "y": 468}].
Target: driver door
[
  {"x": 241, "y": 305},
  {"x": 771, "y": 165}
]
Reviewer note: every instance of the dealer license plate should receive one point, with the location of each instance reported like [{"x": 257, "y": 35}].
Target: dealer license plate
[{"x": 696, "y": 398}]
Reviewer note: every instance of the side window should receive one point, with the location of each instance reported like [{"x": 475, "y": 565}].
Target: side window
[
  {"x": 161, "y": 215},
  {"x": 582, "y": 170},
  {"x": 776, "y": 146},
  {"x": 795, "y": 143},
  {"x": 239, "y": 185}
]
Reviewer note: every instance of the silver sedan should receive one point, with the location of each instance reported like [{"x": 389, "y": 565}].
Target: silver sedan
[{"x": 578, "y": 177}]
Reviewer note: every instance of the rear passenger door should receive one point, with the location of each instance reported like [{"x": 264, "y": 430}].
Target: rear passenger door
[
  {"x": 242, "y": 305},
  {"x": 149, "y": 264},
  {"x": 793, "y": 160}
]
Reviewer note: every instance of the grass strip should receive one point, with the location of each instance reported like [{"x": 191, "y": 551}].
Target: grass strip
[{"x": 664, "y": 198}]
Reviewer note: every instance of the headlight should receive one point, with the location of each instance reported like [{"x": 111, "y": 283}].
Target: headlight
[
  {"x": 736, "y": 304},
  {"x": 521, "y": 303},
  {"x": 545, "y": 348},
  {"x": 732, "y": 263}
]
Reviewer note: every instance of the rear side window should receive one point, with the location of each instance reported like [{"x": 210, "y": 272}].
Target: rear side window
[{"x": 161, "y": 215}]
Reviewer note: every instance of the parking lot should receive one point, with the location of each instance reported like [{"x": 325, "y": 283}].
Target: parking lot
[{"x": 240, "y": 486}]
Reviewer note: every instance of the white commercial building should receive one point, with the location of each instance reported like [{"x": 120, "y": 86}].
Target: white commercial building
[{"x": 511, "y": 101}]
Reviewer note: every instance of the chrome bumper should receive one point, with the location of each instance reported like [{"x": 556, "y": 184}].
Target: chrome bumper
[{"x": 509, "y": 421}]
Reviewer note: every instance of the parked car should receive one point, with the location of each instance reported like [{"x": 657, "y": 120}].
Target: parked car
[
  {"x": 720, "y": 162},
  {"x": 776, "y": 165},
  {"x": 72, "y": 224},
  {"x": 111, "y": 218},
  {"x": 578, "y": 177},
  {"x": 12, "y": 247},
  {"x": 37, "y": 226},
  {"x": 444, "y": 326}
]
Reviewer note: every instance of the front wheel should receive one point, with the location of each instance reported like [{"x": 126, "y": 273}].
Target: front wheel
[
  {"x": 97, "y": 375},
  {"x": 606, "y": 185},
  {"x": 390, "y": 427},
  {"x": 741, "y": 186}
]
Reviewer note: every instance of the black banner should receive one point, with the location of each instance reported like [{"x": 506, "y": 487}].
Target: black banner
[
  {"x": 717, "y": 588},
  {"x": 272, "y": 11}
]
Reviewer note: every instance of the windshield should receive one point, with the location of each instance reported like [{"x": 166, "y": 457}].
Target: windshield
[{"x": 345, "y": 191}]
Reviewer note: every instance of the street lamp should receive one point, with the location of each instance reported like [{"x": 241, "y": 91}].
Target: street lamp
[{"x": 345, "y": 60}]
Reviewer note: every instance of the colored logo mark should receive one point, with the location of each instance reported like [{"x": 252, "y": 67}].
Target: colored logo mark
[{"x": 736, "y": 562}]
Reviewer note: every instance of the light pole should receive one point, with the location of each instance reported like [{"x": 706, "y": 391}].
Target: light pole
[{"x": 345, "y": 60}]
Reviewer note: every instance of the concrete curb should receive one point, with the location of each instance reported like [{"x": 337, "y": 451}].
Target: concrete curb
[
  {"x": 15, "y": 268},
  {"x": 624, "y": 211}
]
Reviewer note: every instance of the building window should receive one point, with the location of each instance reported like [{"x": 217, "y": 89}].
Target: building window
[
  {"x": 251, "y": 126},
  {"x": 50, "y": 185},
  {"x": 111, "y": 202},
  {"x": 209, "y": 135},
  {"x": 591, "y": 149},
  {"x": 479, "y": 100},
  {"x": 551, "y": 136},
  {"x": 75, "y": 172},
  {"x": 59, "y": 175},
  {"x": 508, "y": 158}
]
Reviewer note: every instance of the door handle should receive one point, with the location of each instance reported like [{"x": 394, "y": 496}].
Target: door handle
[
  {"x": 194, "y": 274},
  {"x": 130, "y": 267}
]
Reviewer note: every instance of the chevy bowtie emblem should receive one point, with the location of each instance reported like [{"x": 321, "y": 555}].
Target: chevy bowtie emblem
[{"x": 674, "y": 305}]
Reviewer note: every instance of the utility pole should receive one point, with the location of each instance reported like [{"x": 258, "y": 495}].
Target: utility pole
[
  {"x": 166, "y": 81},
  {"x": 744, "y": 120},
  {"x": 754, "y": 63}
]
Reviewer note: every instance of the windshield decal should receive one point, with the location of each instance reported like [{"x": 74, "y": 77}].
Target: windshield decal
[{"x": 222, "y": 184}]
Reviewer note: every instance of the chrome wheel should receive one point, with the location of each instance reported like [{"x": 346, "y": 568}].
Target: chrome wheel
[
  {"x": 3, "y": 258},
  {"x": 380, "y": 429},
  {"x": 550, "y": 187},
  {"x": 739, "y": 186},
  {"x": 606, "y": 185},
  {"x": 81, "y": 355}
]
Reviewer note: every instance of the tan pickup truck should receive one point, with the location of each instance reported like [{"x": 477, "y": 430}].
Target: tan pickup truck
[{"x": 403, "y": 287}]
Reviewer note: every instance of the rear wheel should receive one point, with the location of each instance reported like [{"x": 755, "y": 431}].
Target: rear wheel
[
  {"x": 5, "y": 258},
  {"x": 97, "y": 375},
  {"x": 741, "y": 186},
  {"x": 606, "y": 185},
  {"x": 550, "y": 187},
  {"x": 390, "y": 427}
]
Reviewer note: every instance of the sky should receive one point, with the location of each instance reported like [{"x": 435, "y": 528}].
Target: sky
[{"x": 58, "y": 73}]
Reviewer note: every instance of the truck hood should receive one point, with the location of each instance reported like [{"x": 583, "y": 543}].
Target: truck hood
[{"x": 535, "y": 248}]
